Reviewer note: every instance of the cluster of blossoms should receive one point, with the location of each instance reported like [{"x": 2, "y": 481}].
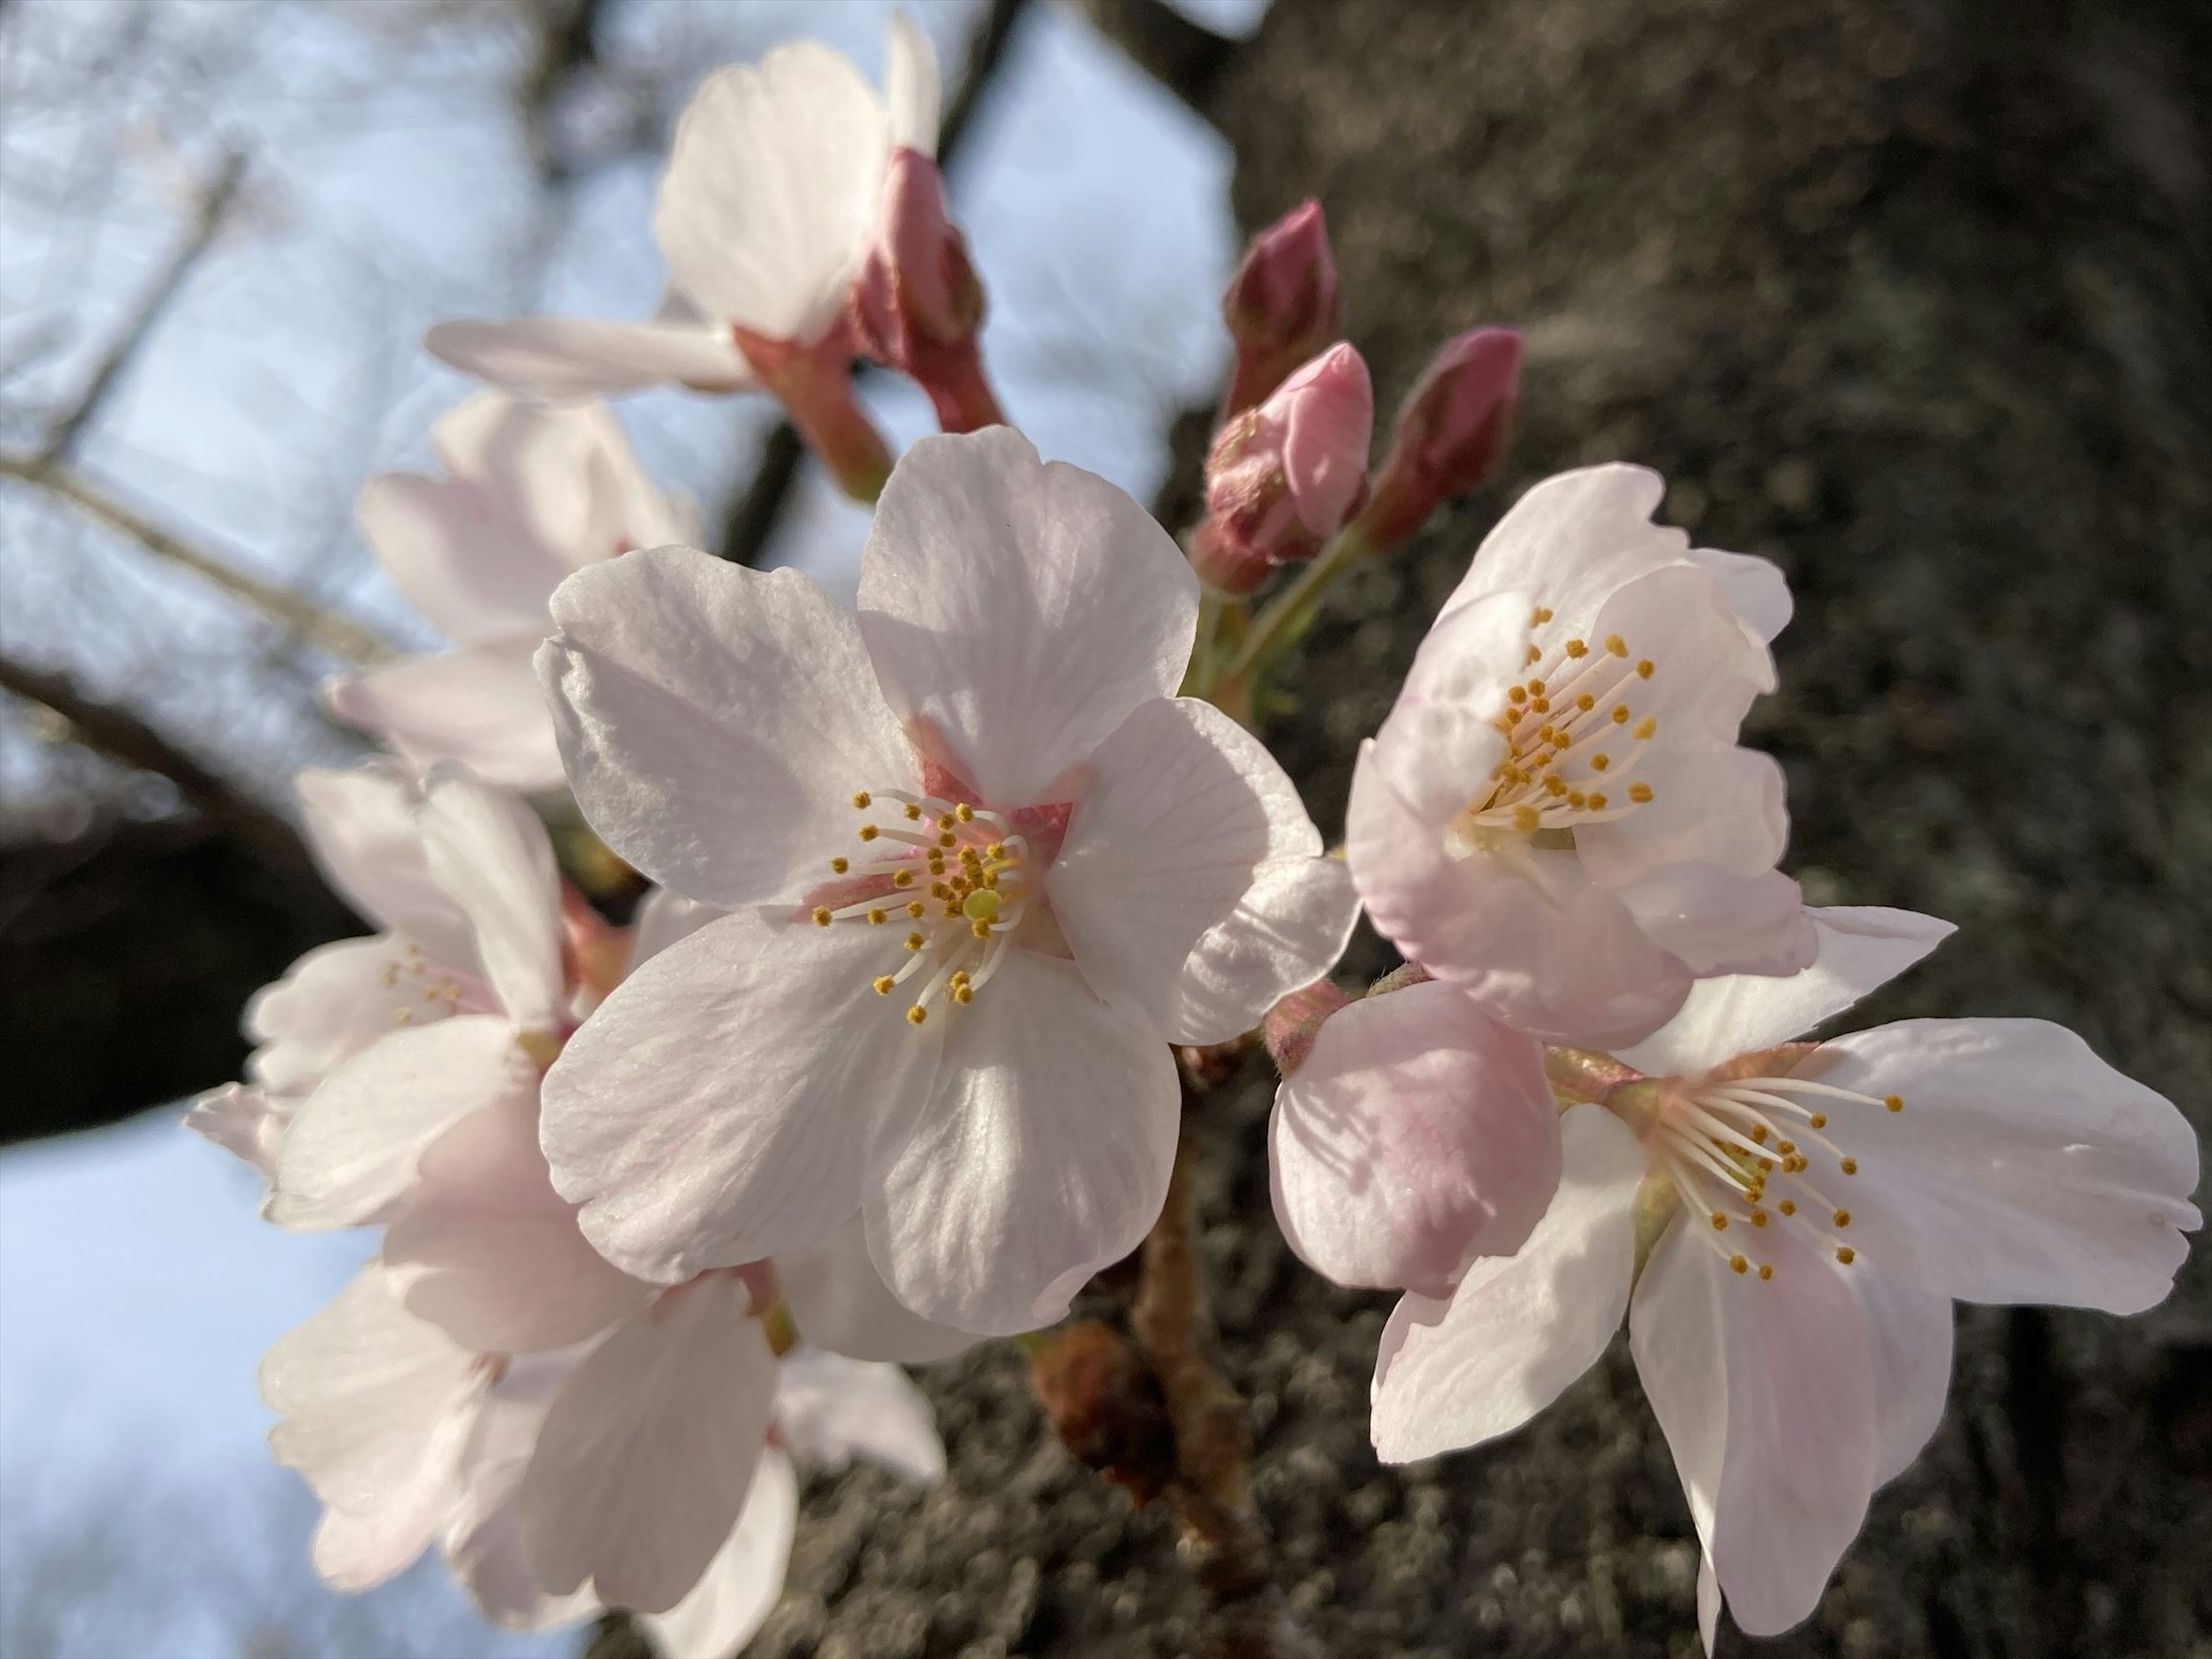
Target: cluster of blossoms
[{"x": 885, "y": 1065}]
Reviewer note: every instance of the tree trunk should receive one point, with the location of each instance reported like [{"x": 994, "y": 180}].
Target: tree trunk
[{"x": 1914, "y": 299}]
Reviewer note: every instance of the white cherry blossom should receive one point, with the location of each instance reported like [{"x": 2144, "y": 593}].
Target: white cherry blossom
[
  {"x": 982, "y": 867},
  {"x": 1785, "y": 1225},
  {"x": 529, "y": 494},
  {"x": 1555, "y": 815}
]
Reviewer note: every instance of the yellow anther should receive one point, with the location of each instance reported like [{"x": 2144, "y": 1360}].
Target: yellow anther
[
  {"x": 952, "y": 910},
  {"x": 1788, "y": 1206},
  {"x": 1525, "y": 820},
  {"x": 938, "y": 890},
  {"x": 883, "y": 983},
  {"x": 946, "y": 820},
  {"x": 1597, "y": 803},
  {"x": 1535, "y": 688},
  {"x": 1555, "y": 784},
  {"x": 947, "y": 839},
  {"x": 1720, "y": 1222},
  {"x": 1895, "y": 1102},
  {"x": 1560, "y": 740},
  {"x": 1518, "y": 694},
  {"x": 1758, "y": 1133},
  {"x": 1785, "y": 1147},
  {"x": 1766, "y": 1270},
  {"x": 1639, "y": 792},
  {"x": 1758, "y": 1218},
  {"x": 1645, "y": 669},
  {"x": 1538, "y": 616},
  {"x": 1535, "y": 657},
  {"x": 964, "y": 812},
  {"x": 864, "y": 800},
  {"x": 878, "y": 918},
  {"x": 405, "y": 1016},
  {"x": 980, "y": 929},
  {"x": 1586, "y": 703},
  {"x": 1600, "y": 761},
  {"x": 917, "y": 909},
  {"x": 1818, "y": 1120},
  {"x": 915, "y": 941},
  {"x": 962, "y": 994},
  {"x": 1577, "y": 800},
  {"x": 1738, "y": 1265},
  {"x": 1846, "y": 1255},
  {"x": 1615, "y": 644},
  {"x": 912, "y": 812},
  {"x": 1619, "y": 715},
  {"x": 840, "y": 864},
  {"x": 904, "y": 878},
  {"x": 916, "y": 1015},
  {"x": 821, "y": 918},
  {"x": 1539, "y": 705},
  {"x": 997, "y": 849},
  {"x": 1851, "y": 1166},
  {"x": 1576, "y": 649},
  {"x": 1842, "y": 1218},
  {"x": 1645, "y": 728},
  {"x": 868, "y": 832}
]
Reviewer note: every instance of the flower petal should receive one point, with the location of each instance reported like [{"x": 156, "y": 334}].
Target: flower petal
[
  {"x": 565, "y": 359},
  {"x": 1022, "y": 610},
  {"x": 1861, "y": 949},
  {"x": 842, "y": 1305},
  {"x": 1183, "y": 807},
  {"x": 353, "y": 1145},
  {"x": 832, "y": 1409},
  {"x": 483, "y": 1541},
  {"x": 664, "y": 919},
  {"x": 1439, "y": 746},
  {"x": 332, "y": 1004},
  {"x": 649, "y": 1448},
  {"x": 1571, "y": 540},
  {"x": 247, "y": 1123},
  {"x": 1288, "y": 930},
  {"x": 1044, "y": 1155},
  {"x": 716, "y": 721},
  {"x": 360, "y": 827},
  {"x": 1419, "y": 1134},
  {"x": 770, "y": 189},
  {"x": 737, "y": 1096},
  {"x": 1758, "y": 592},
  {"x": 744, "y": 1582},
  {"x": 1714, "y": 922},
  {"x": 911, "y": 85},
  {"x": 2022, "y": 1168},
  {"x": 489, "y": 852},
  {"x": 489, "y": 1252},
  {"x": 1912, "y": 1332},
  {"x": 474, "y": 573},
  {"x": 1518, "y": 1329},
  {"x": 481, "y": 706},
  {"x": 1765, "y": 1391}
]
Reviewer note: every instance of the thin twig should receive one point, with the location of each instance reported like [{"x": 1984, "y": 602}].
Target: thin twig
[
  {"x": 307, "y": 620},
  {"x": 208, "y": 217}
]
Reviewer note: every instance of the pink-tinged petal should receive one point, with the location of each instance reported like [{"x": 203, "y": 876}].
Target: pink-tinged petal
[
  {"x": 1523, "y": 932},
  {"x": 483, "y": 1539},
  {"x": 376, "y": 1407},
  {"x": 738, "y": 1096},
  {"x": 489, "y": 852},
  {"x": 1328, "y": 407},
  {"x": 481, "y": 706},
  {"x": 665, "y": 919},
  {"x": 352, "y": 1147},
  {"x": 1288, "y": 930},
  {"x": 912, "y": 85},
  {"x": 645, "y": 1457},
  {"x": 565, "y": 359},
  {"x": 1758, "y": 592},
  {"x": 1044, "y": 1155},
  {"x": 717, "y": 721},
  {"x": 1912, "y": 1332},
  {"x": 839, "y": 1301},
  {"x": 244, "y": 1122},
  {"x": 474, "y": 573},
  {"x": 1021, "y": 609},
  {"x": 1518, "y": 1329},
  {"x": 1714, "y": 922},
  {"x": 1765, "y": 1391},
  {"x": 770, "y": 190},
  {"x": 1439, "y": 748},
  {"x": 743, "y": 1583},
  {"x": 2021, "y": 1168},
  {"x": 1419, "y": 1134},
  {"x": 830, "y": 1410},
  {"x": 332, "y": 1004},
  {"x": 1183, "y": 806},
  {"x": 1571, "y": 540},
  {"x": 489, "y": 1252},
  {"x": 360, "y": 828},
  {"x": 1861, "y": 949}
]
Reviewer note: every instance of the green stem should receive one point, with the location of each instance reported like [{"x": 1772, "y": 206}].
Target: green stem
[{"x": 1289, "y": 611}]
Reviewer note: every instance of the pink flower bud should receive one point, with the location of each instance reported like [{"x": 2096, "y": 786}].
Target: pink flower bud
[
  {"x": 1450, "y": 432},
  {"x": 1292, "y": 1025},
  {"x": 917, "y": 303},
  {"x": 1282, "y": 304},
  {"x": 1283, "y": 478}
]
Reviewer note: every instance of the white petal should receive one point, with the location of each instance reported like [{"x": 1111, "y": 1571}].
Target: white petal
[
  {"x": 737, "y": 1096},
  {"x": 360, "y": 827},
  {"x": 1288, "y": 931},
  {"x": 244, "y": 1122},
  {"x": 1438, "y": 743},
  {"x": 842, "y": 1305},
  {"x": 717, "y": 721},
  {"x": 1709, "y": 1603},
  {"x": 1043, "y": 1156},
  {"x": 1714, "y": 922},
  {"x": 770, "y": 190},
  {"x": 490, "y": 1253},
  {"x": 1912, "y": 1333},
  {"x": 832, "y": 1409},
  {"x": 664, "y": 919},
  {"x": 1419, "y": 1134},
  {"x": 645, "y": 1458},
  {"x": 1571, "y": 540},
  {"x": 2022, "y": 1168},
  {"x": 1183, "y": 807},
  {"x": 332, "y": 1004},
  {"x": 1518, "y": 1329},
  {"x": 481, "y": 706},
  {"x": 1758, "y": 592},
  {"x": 483, "y": 1541},
  {"x": 911, "y": 85},
  {"x": 489, "y": 851},
  {"x": 477, "y": 574},
  {"x": 561, "y": 359},
  {"x": 353, "y": 1145},
  {"x": 1862, "y": 948},
  {"x": 1020, "y": 610},
  {"x": 1712, "y": 804},
  {"x": 1765, "y": 1391},
  {"x": 744, "y": 1581}
]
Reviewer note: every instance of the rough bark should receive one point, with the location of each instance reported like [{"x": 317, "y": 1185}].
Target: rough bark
[{"x": 1913, "y": 299}]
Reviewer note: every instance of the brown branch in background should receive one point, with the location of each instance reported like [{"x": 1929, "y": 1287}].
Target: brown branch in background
[
  {"x": 566, "y": 46},
  {"x": 1186, "y": 58},
  {"x": 311, "y": 622},
  {"x": 208, "y": 217},
  {"x": 757, "y": 511}
]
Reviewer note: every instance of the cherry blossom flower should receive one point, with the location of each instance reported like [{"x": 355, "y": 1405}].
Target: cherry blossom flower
[
  {"x": 529, "y": 495},
  {"x": 982, "y": 867},
  {"x": 1556, "y": 817},
  {"x": 766, "y": 216},
  {"x": 1785, "y": 1225}
]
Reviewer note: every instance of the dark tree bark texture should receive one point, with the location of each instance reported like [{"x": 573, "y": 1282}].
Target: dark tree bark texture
[{"x": 1914, "y": 299}]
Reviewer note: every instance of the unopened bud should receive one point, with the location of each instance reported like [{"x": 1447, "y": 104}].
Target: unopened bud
[
  {"x": 1450, "y": 433},
  {"x": 1292, "y": 1025},
  {"x": 1282, "y": 304},
  {"x": 917, "y": 303},
  {"x": 1282, "y": 478}
]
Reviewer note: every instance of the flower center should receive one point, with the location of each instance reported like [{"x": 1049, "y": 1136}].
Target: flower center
[
  {"x": 957, "y": 880},
  {"x": 1734, "y": 1151},
  {"x": 1573, "y": 735}
]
